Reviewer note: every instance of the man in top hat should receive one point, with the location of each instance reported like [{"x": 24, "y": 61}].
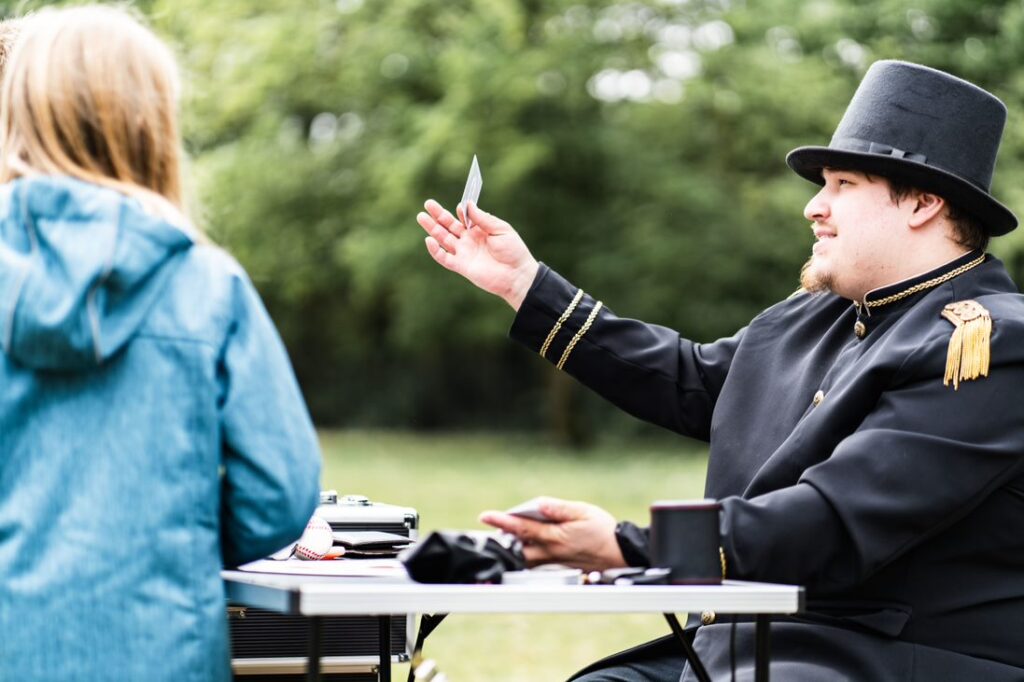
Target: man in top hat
[{"x": 866, "y": 434}]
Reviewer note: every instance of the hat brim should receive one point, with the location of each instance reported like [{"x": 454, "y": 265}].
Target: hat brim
[{"x": 808, "y": 163}]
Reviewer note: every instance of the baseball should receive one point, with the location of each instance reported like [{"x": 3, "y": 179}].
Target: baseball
[{"x": 316, "y": 540}]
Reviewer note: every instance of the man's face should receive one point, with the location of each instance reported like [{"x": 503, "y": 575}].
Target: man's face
[{"x": 860, "y": 232}]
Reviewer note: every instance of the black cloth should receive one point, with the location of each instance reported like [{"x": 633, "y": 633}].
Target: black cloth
[
  {"x": 661, "y": 659},
  {"x": 799, "y": 653},
  {"x": 463, "y": 557},
  {"x": 897, "y": 501}
]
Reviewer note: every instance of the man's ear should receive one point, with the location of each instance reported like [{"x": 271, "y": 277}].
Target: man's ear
[{"x": 926, "y": 207}]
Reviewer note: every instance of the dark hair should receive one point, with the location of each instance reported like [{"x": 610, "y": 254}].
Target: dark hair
[{"x": 967, "y": 230}]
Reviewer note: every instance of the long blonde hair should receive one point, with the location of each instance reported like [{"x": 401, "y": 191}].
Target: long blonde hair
[{"x": 91, "y": 93}]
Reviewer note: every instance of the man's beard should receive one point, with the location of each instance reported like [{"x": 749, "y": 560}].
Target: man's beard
[{"x": 815, "y": 280}]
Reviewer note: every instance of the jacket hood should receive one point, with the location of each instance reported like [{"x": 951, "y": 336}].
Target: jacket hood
[{"x": 80, "y": 267}]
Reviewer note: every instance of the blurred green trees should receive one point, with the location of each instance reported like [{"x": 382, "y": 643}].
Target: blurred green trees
[{"x": 637, "y": 146}]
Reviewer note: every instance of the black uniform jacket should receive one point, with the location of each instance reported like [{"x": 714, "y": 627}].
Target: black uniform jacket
[{"x": 843, "y": 463}]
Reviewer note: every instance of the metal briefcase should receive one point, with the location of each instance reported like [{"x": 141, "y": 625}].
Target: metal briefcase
[{"x": 267, "y": 643}]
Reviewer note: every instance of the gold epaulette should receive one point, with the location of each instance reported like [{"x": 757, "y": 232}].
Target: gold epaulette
[{"x": 968, "y": 355}]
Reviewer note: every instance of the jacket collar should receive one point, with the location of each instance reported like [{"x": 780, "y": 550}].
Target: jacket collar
[
  {"x": 895, "y": 296},
  {"x": 891, "y": 293}
]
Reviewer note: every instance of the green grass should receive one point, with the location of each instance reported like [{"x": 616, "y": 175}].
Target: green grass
[{"x": 449, "y": 479}]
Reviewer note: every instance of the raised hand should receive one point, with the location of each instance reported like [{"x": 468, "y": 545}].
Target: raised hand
[
  {"x": 576, "y": 534},
  {"x": 489, "y": 253}
]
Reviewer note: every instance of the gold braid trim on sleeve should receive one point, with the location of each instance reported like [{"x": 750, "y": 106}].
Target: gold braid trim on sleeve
[
  {"x": 969, "y": 350},
  {"x": 579, "y": 334},
  {"x": 561, "y": 320}
]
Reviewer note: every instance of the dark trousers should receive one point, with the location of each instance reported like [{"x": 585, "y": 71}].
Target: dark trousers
[
  {"x": 659, "y": 661},
  {"x": 801, "y": 652}
]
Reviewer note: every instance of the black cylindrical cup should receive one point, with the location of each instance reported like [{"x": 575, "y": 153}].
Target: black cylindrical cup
[{"x": 685, "y": 539}]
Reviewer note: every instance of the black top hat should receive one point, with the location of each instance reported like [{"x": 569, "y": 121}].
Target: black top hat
[{"x": 923, "y": 127}]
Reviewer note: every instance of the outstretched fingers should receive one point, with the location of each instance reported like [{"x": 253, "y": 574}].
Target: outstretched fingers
[
  {"x": 540, "y": 540},
  {"x": 443, "y": 258},
  {"x": 444, "y": 217},
  {"x": 524, "y": 529},
  {"x": 448, "y": 241}
]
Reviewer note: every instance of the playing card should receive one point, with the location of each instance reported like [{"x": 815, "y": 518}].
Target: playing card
[
  {"x": 529, "y": 510},
  {"x": 474, "y": 183}
]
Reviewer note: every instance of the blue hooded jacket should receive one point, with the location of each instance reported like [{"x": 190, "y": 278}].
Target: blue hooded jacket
[{"x": 151, "y": 429}]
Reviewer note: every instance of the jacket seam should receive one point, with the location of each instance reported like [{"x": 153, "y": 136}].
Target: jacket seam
[
  {"x": 33, "y": 253},
  {"x": 90, "y": 298},
  {"x": 177, "y": 339}
]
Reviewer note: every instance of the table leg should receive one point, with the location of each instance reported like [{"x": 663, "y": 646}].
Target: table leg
[
  {"x": 384, "y": 646},
  {"x": 313, "y": 662},
  {"x": 428, "y": 623},
  {"x": 762, "y": 648},
  {"x": 695, "y": 665}
]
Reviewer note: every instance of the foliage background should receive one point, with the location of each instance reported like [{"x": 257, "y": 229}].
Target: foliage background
[{"x": 638, "y": 146}]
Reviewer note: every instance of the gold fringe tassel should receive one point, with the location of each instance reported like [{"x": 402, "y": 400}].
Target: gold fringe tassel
[{"x": 969, "y": 352}]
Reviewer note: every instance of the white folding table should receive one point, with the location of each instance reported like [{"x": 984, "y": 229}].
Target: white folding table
[{"x": 316, "y": 597}]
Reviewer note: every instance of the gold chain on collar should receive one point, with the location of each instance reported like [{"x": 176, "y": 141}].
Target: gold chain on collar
[{"x": 935, "y": 281}]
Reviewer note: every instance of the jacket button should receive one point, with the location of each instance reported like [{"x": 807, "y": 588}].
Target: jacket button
[
  {"x": 818, "y": 397},
  {"x": 707, "y": 617}
]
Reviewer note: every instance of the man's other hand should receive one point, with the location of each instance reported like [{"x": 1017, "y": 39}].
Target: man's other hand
[
  {"x": 490, "y": 254},
  {"x": 576, "y": 534}
]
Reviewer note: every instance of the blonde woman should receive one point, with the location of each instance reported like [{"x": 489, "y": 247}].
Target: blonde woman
[
  {"x": 151, "y": 427},
  {"x": 9, "y": 29}
]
